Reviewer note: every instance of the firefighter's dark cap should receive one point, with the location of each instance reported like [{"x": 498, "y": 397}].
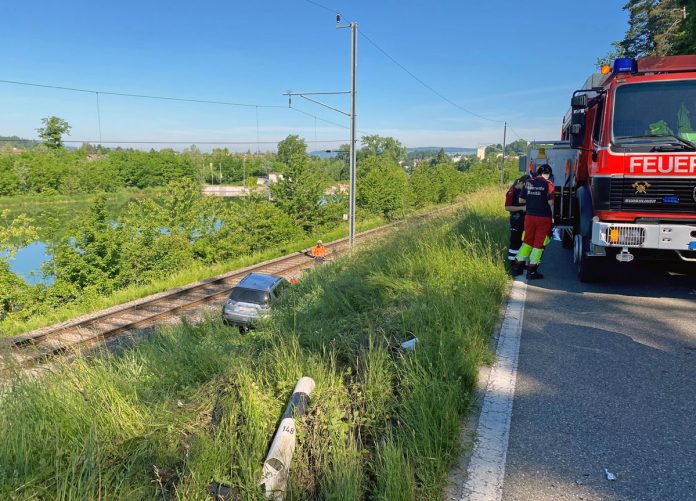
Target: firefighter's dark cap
[
  {"x": 544, "y": 169},
  {"x": 522, "y": 179}
]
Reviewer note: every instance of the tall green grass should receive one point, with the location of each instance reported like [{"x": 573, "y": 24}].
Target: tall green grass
[{"x": 194, "y": 404}]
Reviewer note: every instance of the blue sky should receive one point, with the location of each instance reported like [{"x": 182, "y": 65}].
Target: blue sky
[{"x": 508, "y": 60}]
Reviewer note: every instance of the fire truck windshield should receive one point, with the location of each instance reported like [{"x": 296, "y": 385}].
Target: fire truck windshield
[{"x": 655, "y": 112}]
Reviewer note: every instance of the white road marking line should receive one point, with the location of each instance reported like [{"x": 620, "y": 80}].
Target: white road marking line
[{"x": 486, "y": 470}]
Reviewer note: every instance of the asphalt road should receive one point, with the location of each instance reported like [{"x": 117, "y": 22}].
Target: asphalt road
[{"x": 606, "y": 379}]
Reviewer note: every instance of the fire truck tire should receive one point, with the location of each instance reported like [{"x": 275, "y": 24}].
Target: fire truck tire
[{"x": 587, "y": 267}]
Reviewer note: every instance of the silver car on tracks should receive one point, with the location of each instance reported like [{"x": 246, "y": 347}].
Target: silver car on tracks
[{"x": 252, "y": 299}]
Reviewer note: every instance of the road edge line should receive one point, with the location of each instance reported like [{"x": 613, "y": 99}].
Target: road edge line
[{"x": 486, "y": 470}]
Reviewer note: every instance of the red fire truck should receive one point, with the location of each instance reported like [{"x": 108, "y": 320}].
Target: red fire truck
[{"x": 626, "y": 186}]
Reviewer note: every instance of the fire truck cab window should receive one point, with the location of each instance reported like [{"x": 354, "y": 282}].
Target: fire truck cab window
[
  {"x": 599, "y": 117},
  {"x": 655, "y": 108}
]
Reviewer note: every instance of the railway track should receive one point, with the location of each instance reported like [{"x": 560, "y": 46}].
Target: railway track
[{"x": 69, "y": 337}]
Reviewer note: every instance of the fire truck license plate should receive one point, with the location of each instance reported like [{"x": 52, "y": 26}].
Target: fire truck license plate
[{"x": 692, "y": 246}]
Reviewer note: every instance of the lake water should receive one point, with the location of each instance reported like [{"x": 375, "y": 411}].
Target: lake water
[{"x": 27, "y": 263}]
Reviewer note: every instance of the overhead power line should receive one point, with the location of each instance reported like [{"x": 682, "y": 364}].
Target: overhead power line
[
  {"x": 318, "y": 118},
  {"x": 411, "y": 74},
  {"x": 424, "y": 84},
  {"x": 141, "y": 96},
  {"x": 194, "y": 142},
  {"x": 97, "y": 93},
  {"x": 321, "y": 6}
]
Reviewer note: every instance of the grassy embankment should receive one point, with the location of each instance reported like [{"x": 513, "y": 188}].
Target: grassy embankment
[
  {"x": 11, "y": 327},
  {"x": 194, "y": 404}
]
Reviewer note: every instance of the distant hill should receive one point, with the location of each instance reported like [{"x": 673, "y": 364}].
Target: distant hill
[
  {"x": 16, "y": 142},
  {"x": 321, "y": 154},
  {"x": 447, "y": 149}
]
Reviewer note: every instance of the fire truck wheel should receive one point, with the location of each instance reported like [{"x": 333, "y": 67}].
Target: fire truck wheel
[{"x": 587, "y": 266}]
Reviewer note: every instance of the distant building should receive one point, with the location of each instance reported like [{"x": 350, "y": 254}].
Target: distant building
[
  {"x": 274, "y": 177},
  {"x": 481, "y": 152},
  {"x": 337, "y": 188}
]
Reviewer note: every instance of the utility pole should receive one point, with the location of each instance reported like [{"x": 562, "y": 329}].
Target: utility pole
[
  {"x": 353, "y": 79},
  {"x": 353, "y": 75},
  {"x": 502, "y": 165}
]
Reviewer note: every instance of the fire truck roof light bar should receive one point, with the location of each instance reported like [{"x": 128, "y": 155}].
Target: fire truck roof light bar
[{"x": 625, "y": 65}]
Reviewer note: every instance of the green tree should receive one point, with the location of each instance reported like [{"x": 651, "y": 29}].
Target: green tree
[
  {"x": 254, "y": 227},
  {"x": 292, "y": 150},
  {"x": 14, "y": 234},
  {"x": 300, "y": 191},
  {"x": 686, "y": 40},
  {"x": 383, "y": 186},
  {"x": 53, "y": 130},
  {"x": 89, "y": 261},
  {"x": 381, "y": 146},
  {"x": 655, "y": 28},
  {"x": 440, "y": 158}
]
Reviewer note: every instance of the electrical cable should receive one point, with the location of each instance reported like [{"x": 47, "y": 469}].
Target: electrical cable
[
  {"x": 318, "y": 118},
  {"x": 431, "y": 89},
  {"x": 410, "y": 73},
  {"x": 142, "y": 96},
  {"x": 193, "y": 142},
  {"x": 97, "y": 93},
  {"x": 317, "y": 4}
]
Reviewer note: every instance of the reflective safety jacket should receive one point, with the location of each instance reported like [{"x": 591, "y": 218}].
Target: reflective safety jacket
[
  {"x": 318, "y": 251},
  {"x": 537, "y": 192}
]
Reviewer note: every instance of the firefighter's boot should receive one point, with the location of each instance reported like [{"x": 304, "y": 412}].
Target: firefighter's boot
[
  {"x": 517, "y": 268},
  {"x": 533, "y": 272}
]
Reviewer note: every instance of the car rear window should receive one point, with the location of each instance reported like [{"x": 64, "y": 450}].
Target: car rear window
[{"x": 249, "y": 295}]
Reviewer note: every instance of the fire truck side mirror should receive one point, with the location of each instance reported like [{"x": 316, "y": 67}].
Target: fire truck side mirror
[
  {"x": 579, "y": 102},
  {"x": 578, "y": 105},
  {"x": 577, "y": 129}
]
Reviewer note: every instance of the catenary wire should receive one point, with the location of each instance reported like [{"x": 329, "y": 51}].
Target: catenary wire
[
  {"x": 410, "y": 73},
  {"x": 203, "y": 101},
  {"x": 424, "y": 84},
  {"x": 142, "y": 96},
  {"x": 193, "y": 142}
]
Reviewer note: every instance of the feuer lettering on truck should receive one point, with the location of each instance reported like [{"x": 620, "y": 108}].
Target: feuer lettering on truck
[{"x": 662, "y": 164}]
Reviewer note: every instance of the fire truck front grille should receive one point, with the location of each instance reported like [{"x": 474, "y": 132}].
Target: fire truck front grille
[
  {"x": 625, "y": 235},
  {"x": 668, "y": 194}
]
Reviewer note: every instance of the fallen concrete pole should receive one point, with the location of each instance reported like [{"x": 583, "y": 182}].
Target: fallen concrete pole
[{"x": 276, "y": 467}]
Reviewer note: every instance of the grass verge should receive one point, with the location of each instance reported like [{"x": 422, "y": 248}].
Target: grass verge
[{"x": 197, "y": 403}]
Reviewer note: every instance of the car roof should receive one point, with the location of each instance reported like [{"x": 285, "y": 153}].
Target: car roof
[{"x": 259, "y": 281}]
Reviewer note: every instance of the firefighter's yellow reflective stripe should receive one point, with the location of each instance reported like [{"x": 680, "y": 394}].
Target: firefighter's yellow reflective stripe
[
  {"x": 524, "y": 252},
  {"x": 535, "y": 256}
]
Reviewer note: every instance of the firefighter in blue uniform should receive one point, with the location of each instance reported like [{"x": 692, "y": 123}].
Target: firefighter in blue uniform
[
  {"x": 516, "y": 210},
  {"x": 537, "y": 195}
]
